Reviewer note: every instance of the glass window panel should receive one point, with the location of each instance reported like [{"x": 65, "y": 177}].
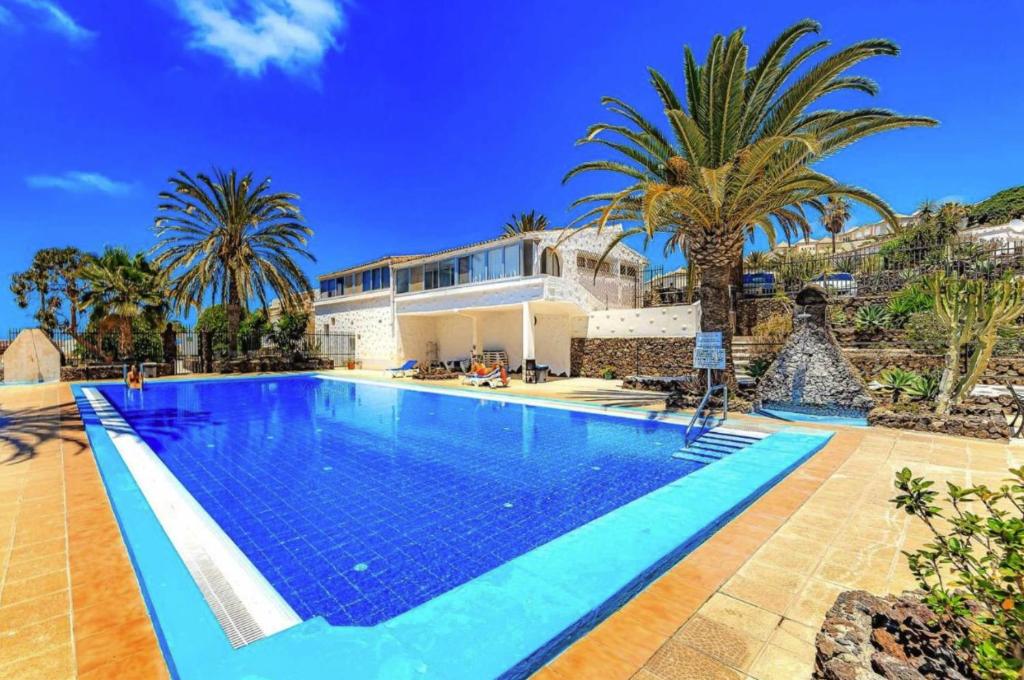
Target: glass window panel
[
  {"x": 478, "y": 266},
  {"x": 464, "y": 269},
  {"x": 446, "y": 275},
  {"x": 402, "y": 281},
  {"x": 512, "y": 260},
  {"x": 430, "y": 276},
  {"x": 375, "y": 282},
  {"x": 385, "y": 277},
  {"x": 529, "y": 253},
  {"x": 495, "y": 265},
  {"x": 367, "y": 280}
]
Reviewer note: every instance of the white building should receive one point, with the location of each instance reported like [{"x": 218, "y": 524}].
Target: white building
[
  {"x": 527, "y": 295},
  {"x": 861, "y": 239}
]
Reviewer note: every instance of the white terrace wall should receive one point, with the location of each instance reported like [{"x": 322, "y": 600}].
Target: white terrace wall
[{"x": 675, "y": 321}]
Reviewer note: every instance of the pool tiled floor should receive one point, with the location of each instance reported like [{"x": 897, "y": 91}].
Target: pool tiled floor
[{"x": 746, "y": 604}]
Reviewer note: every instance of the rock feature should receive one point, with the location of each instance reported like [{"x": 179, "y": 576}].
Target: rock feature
[
  {"x": 31, "y": 357},
  {"x": 866, "y": 637},
  {"x": 811, "y": 373}
]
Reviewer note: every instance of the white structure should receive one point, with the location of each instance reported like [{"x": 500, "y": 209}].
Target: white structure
[
  {"x": 1005, "y": 235},
  {"x": 527, "y": 295},
  {"x": 862, "y": 238}
]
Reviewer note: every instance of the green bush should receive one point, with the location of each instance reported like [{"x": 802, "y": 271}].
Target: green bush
[
  {"x": 1010, "y": 343},
  {"x": 972, "y": 572},
  {"x": 758, "y": 366},
  {"x": 926, "y": 333},
  {"x": 998, "y": 208},
  {"x": 872, "y": 319},
  {"x": 910, "y": 300},
  {"x": 924, "y": 387},
  {"x": 289, "y": 332},
  {"x": 896, "y": 382},
  {"x": 215, "y": 320}
]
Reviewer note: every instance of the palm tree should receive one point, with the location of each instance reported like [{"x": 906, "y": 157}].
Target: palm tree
[
  {"x": 523, "y": 222},
  {"x": 835, "y": 216},
  {"x": 232, "y": 237},
  {"x": 121, "y": 288},
  {"x": 927, "y": 208},
  {"x": 758, "y": 261},
  {"x": 738, "y": 154}
]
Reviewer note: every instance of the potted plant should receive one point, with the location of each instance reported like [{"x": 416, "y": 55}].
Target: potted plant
[{"x": 351, "y": 365}]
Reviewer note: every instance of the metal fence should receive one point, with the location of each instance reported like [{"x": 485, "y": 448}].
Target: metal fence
[
  {"x": 189, "y": 350},
  {"x": 866, "y": 272}
]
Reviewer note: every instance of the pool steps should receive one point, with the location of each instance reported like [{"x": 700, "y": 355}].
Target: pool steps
[{"x": 717, "y": 443}]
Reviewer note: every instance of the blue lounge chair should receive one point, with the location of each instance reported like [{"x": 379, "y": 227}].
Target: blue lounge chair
[{"x": 403, "y": 371}]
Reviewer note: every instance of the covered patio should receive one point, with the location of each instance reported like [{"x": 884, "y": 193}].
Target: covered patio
[{"x": 540, "y": 330}]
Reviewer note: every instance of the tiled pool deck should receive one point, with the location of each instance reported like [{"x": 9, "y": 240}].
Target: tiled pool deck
[{"x": 747, "y": 603}]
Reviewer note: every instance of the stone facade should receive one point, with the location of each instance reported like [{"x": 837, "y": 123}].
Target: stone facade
[
  {"x": 632, "y": 356},
  {"x": 977, "y": 423},
  {"x": 872, "y": 362},
  {"x": 810, "y": 371},
  {"x": 271, "y": 363},
  {"x": 370, "y": 318}
]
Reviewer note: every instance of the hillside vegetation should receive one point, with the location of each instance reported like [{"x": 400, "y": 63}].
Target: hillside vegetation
[{"x": 998, "y": 208}]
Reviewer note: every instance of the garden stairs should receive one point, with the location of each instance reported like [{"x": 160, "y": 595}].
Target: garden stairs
[{"x": 743, "y": 350}]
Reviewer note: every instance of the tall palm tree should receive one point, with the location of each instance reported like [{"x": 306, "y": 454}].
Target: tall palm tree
[
  {"x": 835, "y": 216},
  {"x": 523, "y": 222},
  {"x": 234, "y": 238},
  {"x": 738, "y": 153},
  {"x": 120, "y": 288}
]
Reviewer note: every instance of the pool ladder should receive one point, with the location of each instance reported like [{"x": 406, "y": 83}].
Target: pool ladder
[{"x": 694, "y": 433}]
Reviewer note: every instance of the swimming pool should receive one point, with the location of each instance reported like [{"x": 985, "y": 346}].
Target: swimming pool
[{"x": 372, "y": 511}]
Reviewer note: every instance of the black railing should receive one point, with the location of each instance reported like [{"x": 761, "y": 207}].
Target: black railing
[{"x": 189, "y": 350}]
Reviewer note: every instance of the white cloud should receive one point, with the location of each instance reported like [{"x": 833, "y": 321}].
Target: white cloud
[
  {"x": 292, "y": 34},
  {"x": 79, "y": 183},
  {"x": 6, "y": 18},
  {"x": 56, "y": 19}
]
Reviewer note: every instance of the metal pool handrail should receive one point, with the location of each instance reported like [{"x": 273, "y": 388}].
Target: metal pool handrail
[{"x": 712, "y": 389}]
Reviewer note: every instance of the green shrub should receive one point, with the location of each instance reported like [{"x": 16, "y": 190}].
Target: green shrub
[
  {"x": 608, "y": 373},
  {"x": 837, "y": 317},
  {"x": 896, "y": 382},
  {"x": 998, "y": 208},
  {"x": 925, "y": 333},
  {"x": 289, "y": 332},
  {"x": 758, "y": 366},
  {"x": 871, "y": 319},
  {"x": 910, "y": 300},
  {"x": 775, "y": 329},
  {"x": 215, "y": 320},
  {"x": 1010, "y": 342},
  {"x": 973, "y": 570},
  {"x": 924, "y": 387}
]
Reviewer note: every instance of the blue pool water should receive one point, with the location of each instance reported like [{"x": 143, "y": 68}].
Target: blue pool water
[{"x": 359, "y": 502}]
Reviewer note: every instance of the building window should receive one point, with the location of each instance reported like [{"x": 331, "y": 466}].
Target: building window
[
  {"x": 627, "y": 271},
  {"x": 464, "y": 269},
  {"x": 549, "y": 263},
  {"x": 430, "y": 276},
  {"x": 402, "y": 281},
  {"x": 587, "y": 262}
]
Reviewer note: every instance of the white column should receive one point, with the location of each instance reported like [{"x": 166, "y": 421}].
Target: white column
[
  {"x": 477, "y": 349},
  {"x": 528, "y": 348}
]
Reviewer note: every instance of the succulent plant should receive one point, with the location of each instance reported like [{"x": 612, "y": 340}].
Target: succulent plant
[
  {"x": 897, "y": 381},
  {"x": 871, "y": 319}
]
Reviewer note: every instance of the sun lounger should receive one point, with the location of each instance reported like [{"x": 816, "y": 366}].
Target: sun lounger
[
  {"x": 403, "y": 371},
  {"x": 492, "y": 379}
]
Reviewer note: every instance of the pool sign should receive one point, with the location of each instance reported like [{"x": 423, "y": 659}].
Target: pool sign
[{"x": 708, "y": 352}]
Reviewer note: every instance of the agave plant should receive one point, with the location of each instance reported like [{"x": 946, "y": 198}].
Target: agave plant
[
  {"x": 738, "y": 153},
  {"x": 871, "y": 319},
  {"x": 897, "y": 382},
  {"x": 910, "y": 300},
  {"x": 924, "y": 387},
  {"x": 758, "y": 366}
]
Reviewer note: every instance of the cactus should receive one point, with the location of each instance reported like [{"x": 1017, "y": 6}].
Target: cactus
[{"x": 973, "y": 311}]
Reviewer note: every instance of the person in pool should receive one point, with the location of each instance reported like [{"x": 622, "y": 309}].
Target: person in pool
[{"x": 134, "y": 378}]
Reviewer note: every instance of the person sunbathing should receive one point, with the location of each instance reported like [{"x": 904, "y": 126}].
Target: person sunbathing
[{"x": 134, "y": 378}]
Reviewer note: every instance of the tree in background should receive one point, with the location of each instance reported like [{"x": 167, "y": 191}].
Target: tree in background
[
  {"x": 233, "y": 238},
  {"x": 999, "y": 208},
  {"x": 524, "y": 222},
  {"x": 214, "y": 320},
  {"x": 120, "y": 289},
  {"x": 835, "y": 216},
  {"x": 738, "y": 154},
  {"x": 53, "y": 278}
]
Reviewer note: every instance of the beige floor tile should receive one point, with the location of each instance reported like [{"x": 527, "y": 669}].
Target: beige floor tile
[
  {"x": 777, "y": 663},
  {"x": 754, "y": 621}
]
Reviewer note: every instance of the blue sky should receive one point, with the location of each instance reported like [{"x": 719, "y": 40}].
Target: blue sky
[{"x": 411, "y": 126}]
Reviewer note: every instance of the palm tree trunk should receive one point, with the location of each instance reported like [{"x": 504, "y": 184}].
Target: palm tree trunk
[
  {"x": 715, "y": 311},
  {"x": 234, "y": 312},
  {"x": 833, "y": 243},
  {"x": 125, "y": 326}
]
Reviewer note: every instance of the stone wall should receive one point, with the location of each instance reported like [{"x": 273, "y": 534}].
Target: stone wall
[
  {"x": 872, "y": 362},
  {"x": 631, "y": 356},
  {"x": 981, "y": 424},
  {"x": 265, "y": 364},
  {"x": 752, "y": 311},
  {"x": 104, "y": 372}
]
